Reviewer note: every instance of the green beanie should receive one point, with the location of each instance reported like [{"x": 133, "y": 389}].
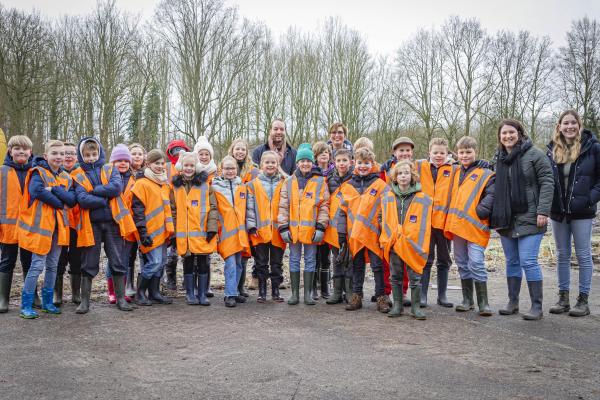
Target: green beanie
[{"x": 305, "y": 153}]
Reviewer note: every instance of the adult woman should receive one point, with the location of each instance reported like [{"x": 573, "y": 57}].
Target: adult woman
[
  {"x": 337, "y": 138},
  {"x": 575, "y": 156},
  {"x": 524, "y": 187}
]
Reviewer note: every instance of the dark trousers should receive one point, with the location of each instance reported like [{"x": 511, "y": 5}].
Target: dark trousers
[
  {"x": 439, "y": 249},
  {"x": 323, "y": 261},
  {"x": 339, "y": 269},
  {"x": 8, "y": 260},
  {"x": 398, "y": 267},
  {"x": 266, "y": 255},
  {"x": 109, "y": 234},
  {"x": 358, "y": 277},
  {"x": 196, "y": 263},
  {"x": 71, "y": 255}
]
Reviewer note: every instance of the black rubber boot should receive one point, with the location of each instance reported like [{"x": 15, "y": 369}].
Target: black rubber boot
[
  {"x": 514, "y": 289},
  {"x": 142, "y": 287},
  {"x": 442, "y": 281},
  {"x": 415, "y": 311},
  {"x": 582, "y": 308},
  {"x": 324, "y": 283},
  {"x": 424, "y": 286},
  {"x": 190, "y": 294},
  {"x": 262, "y": 290},
  {"x": 536, "y": 293},
  {"x": 337, "y": 298},
  {"x": 170, "y": 276},
  {"x": 119, "y": 285},
  {"x": 467, "y": 291},
  {"x": 562, "y": 305},
  {"x": 397, "y": 308},
  {"x": 482, "y": 299},
  {"x": 209, "y": 292},
  {"x": 314, "y": 292},
  {"x": 275, "y": 295},
  {"x": 75, "y": 288},
  {"x": 202, "y": 285},
  {"x": 295, "y": 285},
  {"x": 308, "y": 288},
  {"x": 86, "y": 292},
  {"x": 5, "y": 285},
  {"x": 57, "y": 299},
  {"x": 154, "y": 294},
  {"x": 242, "y": 282}
]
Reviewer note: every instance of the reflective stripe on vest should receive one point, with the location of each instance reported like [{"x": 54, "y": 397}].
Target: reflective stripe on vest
[
  {"x": 190, "y": 233},
  {"x": 298, "y": 220},
  {"x": 10, "y": 199},
  {"x": 265, "y": 211}
]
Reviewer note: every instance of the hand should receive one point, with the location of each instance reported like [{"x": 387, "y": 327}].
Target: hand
[
  {"x": 48, "y": 188},
  {"x": 210, "y": 236},
  {"x": 286, "y": 236},
  {"x": 542, "y": 221},
  {"x": 146, "y": 241},
  {"x": 318, "y": 237}
]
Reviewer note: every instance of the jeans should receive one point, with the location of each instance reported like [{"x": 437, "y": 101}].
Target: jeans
[
  {"x": 39, "y": 262},
  {"x": 109, "y": 233},
  {"x": 232, "y": 271},
  {"x": 358, "y": 277},
  {"x": 310, "y": 257},
  {"x": 581, "y": 231},
  {"x": 8, "y": 260},
  {"x": 522, "y": 255},
  {"x": 266, "y": 254},
  {"x": 127, "y": 245},
  {"x": 470, "y": 259},
  {"x": 71, "y": 255},
  {"x": 153, "y": 262}
]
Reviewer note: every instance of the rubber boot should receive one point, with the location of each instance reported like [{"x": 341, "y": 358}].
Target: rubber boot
[
  {"x": 127, "y": 297},
  {"x": 424, "y": 286},
  {"x": 170, "y": 276},
  {"x": 355, "y": 302},
  {"x": 324, "y": 283},
  {"x": 397, "y": 307},
  {"x": 142, "y": 287},
  {"x": 536, "y": 293},
  {"x": 202, "y": 285},
  {"x": 76, "y": 288},
  {"x": 415, "y": 308},
  {"x": 130, "y": 282},
  {"x": 308, "y": 288},
  {"x": 119, "y": 290},
  {"x": 348, "y": 289},
  {"x": 338, "y": 284},
  {"x": 262, "y": 290},
  {"x": 482, "y": 299},
  {"x": 442, "y": 281},
  {"x": 314, "y": 292},
  {"x": 110, "y": 287},
  {"x": 275, "y": 296},
  {"x": 467, "y": 291},
  {"x": 209, "y": 292},
  {"x": 86, "y": 292},
  {"x": 582, "y": 308},
  {"x": 154, "y": 294},
  {"x": 58, "y": 290},
  {"x": 190, "y": 296},
  {"x": 5, "y": 285},
  {"x": 242, "y": 282},
  {"x": 47, "y": 301},
  {"x": 562, "y": 305},
  {"x": 27, "y": 310},
  {"x": 514, "y": 288},
  {"x": 295, "y": 284}
]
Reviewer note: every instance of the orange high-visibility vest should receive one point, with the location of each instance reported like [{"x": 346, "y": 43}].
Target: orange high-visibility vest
[
  {"x": 331, "y": 233},
  {"x": 462, "y": 219},
  {"x": 266, "y": 214},
  {"x": 304, "y": 207},
  {"x": 410, "y": 240},
  {"x": 120, "y": 212},
  {"x": 38, "y": 221},
  {"x": 250, "y": 175},
  {"x": 440, "y": 190},
  {"x": 157, "y": 210},
  {"x": 192, "y": 220},
  {"x": 362, "y": 215},
  {"x": 232, "y": 223},
  {"x": 171, "y": 172},
  {"x": 10, "y": 199},
  {"x": 128, "y": 199}
]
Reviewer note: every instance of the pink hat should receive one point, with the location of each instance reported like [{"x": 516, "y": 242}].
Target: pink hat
[{"x": 120, "y": 152}]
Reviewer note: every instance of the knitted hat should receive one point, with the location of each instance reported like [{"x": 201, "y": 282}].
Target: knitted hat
[
  {"x": 154, "y": 155},
  {"x": 403, "y": 140},
  {"x": 305, "y": 153},
  {"x": 202, "y": 144},
  {"x": 120, "y": 152}
]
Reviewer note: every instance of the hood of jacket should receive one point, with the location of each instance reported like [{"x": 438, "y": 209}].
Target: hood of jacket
[
  {"x": 172, "y": 144},
  {"x": 101, "y": 155}
]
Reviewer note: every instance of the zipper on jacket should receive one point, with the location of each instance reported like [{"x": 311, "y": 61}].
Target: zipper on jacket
[
  {"x": 232, "y": 194},
  {"x": 572, "y": 186}
]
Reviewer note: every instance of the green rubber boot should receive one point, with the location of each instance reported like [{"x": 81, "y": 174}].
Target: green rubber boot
[
  {"x": 309, "y": 278},
  {"x": 338, "y": 284},
  {"x": 397, "y": 307},
  {"x": 467, "y": 290},
  {"x": 482, "y": 299},
  {"x": 295, "y": 284},
  {"x": 415, "y": 303}
]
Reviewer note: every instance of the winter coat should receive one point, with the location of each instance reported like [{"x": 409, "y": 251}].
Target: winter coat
[
  {"x": 360, "y": 183},
  {"x": 334, "y": 180},
  {"x": 288, "y": 164},
  {"x": 213, "y": 213},
  {"x": 539, "y": 187},
  {"x": 346, "y": 145},
  {"x": 486, "y": 201},
  {"x": 58, "y": 197},
  {"x": 20, "y": 169},
  {"x": 578, "y": 200},
  {"x": 269, "y": 184}
]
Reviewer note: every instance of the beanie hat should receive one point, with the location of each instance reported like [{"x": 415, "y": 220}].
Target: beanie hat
[
  {"x": 202, "y": 144},
  {"x": 154, "y": 155},
  {"x": 120, "y": 152},
  {"x": 173, "y": 149},
  {"x": 305, "y": 153}
]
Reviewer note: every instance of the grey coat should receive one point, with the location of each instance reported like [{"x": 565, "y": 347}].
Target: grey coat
[{"x": 539, "y": 187}]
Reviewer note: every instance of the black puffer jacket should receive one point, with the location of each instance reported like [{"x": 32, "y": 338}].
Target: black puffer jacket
[{"x": 578, "y": 200}]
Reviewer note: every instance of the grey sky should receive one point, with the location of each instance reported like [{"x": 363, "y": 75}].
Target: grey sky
[{"x": 384, "y": 23}]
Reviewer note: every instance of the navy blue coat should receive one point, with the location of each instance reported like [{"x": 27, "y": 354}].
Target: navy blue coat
[
  {"x": 20, "y": 169},
  {"x": 288, "y": 164},
  {"x": 58, "y": 197}
]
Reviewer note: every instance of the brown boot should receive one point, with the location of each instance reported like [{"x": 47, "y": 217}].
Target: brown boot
[
  {"x": 355, "y": 302},
  {"x": 383, "y": 304}
]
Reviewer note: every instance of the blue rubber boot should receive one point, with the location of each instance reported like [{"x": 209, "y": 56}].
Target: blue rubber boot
[
  {"x": 27, "y": 310},
  {"x": 48, "y": 301}
]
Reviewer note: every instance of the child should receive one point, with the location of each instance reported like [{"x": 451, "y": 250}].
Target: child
[
  {"x": 467, "y": 223},
  {"x": 264, "y": 193},
  {"x": 342, "y": 273},
  {"x": 402, "y": 149},
  {"x": 12, "y": 177},
  {"x": 437, "y": 175},
  {"x": 406, "y": 215},
  {"x": 138, "y": 163},
  {"x": 195, "y": 217},
  {"x": 154, "y": 223},
  {"x": 230, "y": 193},
  {"x": 138, "y": 158},
  {"x": 104, "y": 217},
  {"x": 302, "y": 220},
  {"x": 44, "y": 224}
]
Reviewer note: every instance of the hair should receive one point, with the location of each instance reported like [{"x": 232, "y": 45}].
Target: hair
[
  {"x": 90, "y": 145},
  {"x": 414, "y": 176},
  {"x": 335, "y": 126},
  {"x": 438, "y": 141},
  {"x": 154, "y": 155},
  {"x": 562, "y": 152},
  {"x": 52, "y": 143},
  {"x": 247, "y": 161},
  {"x": 363, "y": 142},
  {"x": 466, "y": 142},
  {"x": 344, "y": 152},
  {"x": 515, "y": 124},
  {"x": 21, "y": 141},
  {"x": 321, "y": 147},
  {"x": 278, "y": 120},
  {"x": 134, "y": 145},
  {"x": 187, "y": 155},
  {"x": 70, "y": 144},
  {"x": 227, "y": 159},
  {"x": 270, "y": 153},
  {"x": 364, "y": 154}
]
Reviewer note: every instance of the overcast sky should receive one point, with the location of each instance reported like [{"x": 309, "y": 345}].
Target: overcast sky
[{"x": 384, "y": 23}]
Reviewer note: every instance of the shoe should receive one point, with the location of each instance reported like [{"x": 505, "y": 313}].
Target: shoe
[
  {"x": 5, "y": 285},
  {"x": 536, "y": 293},
  {"x": 262, "y": 290},
  {"x": 514, "y": 288},
  {"x": 562, "y": 305},
  {"x": 397, "y": 308},
  {"x": 295, "y": 284},
  {"x": 112, "y": 299},
  {"x": 119, "y": 286},
  {"x": 154, "y": 294},
  {"x": 190, "y": 295},
  {"x": 383, "y": 304},
  {"x": 415, "y": 308},
  {"x": 336, "y": 298},
  {"x": 355, "y": 302},
  {"x": 275, "y": 296},
  {"x": 27, "y": 310},
  {"x": 482, "y": 299},
  {"x": 58, "y": 291},
  {"x": 240, "y": 299},
  {"x": 424, "y": 286},
  {"x": 442, "y": 281},
  {"x": 86, "y": 292},
  {"x": 202, "y": 286},
  {"x": 48, "y": 301},
  {"x": 324, "y": 283},
  {"x": 467, "y": 291},
  {"x": 582, "y": 308},
  {"x": 75, "y": 288},
  {"x": 229, "y": 301},
  {"x": 142, "y": 287},
  {"x": 308, "y": 288}
]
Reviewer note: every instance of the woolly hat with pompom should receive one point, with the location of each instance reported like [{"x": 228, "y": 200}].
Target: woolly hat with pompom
[{"x": 203, "y": 144}]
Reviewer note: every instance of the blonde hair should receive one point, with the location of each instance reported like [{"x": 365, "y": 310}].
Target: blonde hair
[
  {"x": 319, "y": 148},
  {"x": 438, "y": 141},
  {"x": 228, "y": 159},
  {"x": 247, "y": 161},
  {"x": 466, "y": 142},
  {"x": 52, "y": 143},
  {"x": 270, "y": 153},
  {"x": 19, "y": 140},
  {"x": 363, "y": 142},
  {"x": 364, "y": 154},
  {"x": 562, "y": 152},
  {"x": 414, "y": 176},
  {"x": 134, "y": 145}
]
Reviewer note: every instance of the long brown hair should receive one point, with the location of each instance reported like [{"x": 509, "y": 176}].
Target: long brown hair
[{"x": 562, "y": 152}]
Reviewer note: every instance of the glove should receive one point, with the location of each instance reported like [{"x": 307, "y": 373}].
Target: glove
[
  {"x": 146, "y": 241},
  {"x": 342, "y": 239},
  {"x": 252, "y": 231},
  {"x": 286, "y": 236},
  {"x": 318, "y": 237},
  {"x": 210, "y": 236}
]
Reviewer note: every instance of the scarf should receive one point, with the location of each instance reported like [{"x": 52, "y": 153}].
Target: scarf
[
  {"x": 508, "y": 202},
  {"x": 161, "y": 179},
  {"x": 208, "y": 168},
  {"x": 280, "y": 152}
]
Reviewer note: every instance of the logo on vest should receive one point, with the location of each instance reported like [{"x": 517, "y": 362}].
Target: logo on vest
[
  {"x": 446, "y": 173},
  {"x": 308, "y": 195},
  {"x": 339, "y": 195},
  {"x": 242, "y": 195},
  {"x": 413, "y": 218},
  {"x": 194, "y": 203},
  {"x": 474, "y": 177},
  {"x": 373, "y": 192}
]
